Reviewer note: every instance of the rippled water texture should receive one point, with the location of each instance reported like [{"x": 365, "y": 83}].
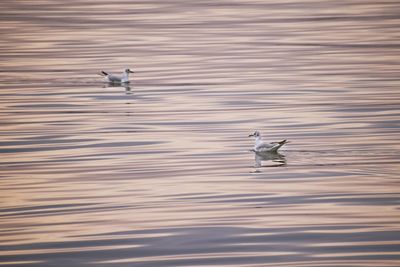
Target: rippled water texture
[{"x": 160, "y": 173}]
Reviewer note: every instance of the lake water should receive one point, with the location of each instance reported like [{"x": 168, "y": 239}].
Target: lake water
[{"x": 160, "y": 173}]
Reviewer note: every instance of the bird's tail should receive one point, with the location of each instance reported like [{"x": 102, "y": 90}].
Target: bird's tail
[
  {"x": 283, "y": 142},
  {"x": 104, "y": 73},
  {"x": 279, "y": 145}
]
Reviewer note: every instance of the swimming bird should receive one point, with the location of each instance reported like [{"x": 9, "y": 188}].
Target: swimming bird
[
  {"x": 263, "y": 147},
  {"x": 111, "y": 78}
]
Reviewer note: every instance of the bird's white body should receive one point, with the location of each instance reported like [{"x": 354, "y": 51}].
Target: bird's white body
[
  {"x": 123, "y": 78},
  {"x": 261, "y": 146}
]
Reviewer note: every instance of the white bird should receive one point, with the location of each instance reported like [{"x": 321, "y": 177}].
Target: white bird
[
  {"x": 111, "y": 78},
  {"x": 263, "y": 147}
]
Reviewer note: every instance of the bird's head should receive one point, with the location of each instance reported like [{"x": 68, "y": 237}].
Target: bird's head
[
  {"x": 255, "y": 134},
  {"x": 128, "y": 71}
]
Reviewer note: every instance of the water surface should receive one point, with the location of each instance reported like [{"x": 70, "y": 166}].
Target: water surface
[{"x": 160, "y": 173}]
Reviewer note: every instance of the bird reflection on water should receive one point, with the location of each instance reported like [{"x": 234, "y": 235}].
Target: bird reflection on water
[
  {"x": 276, "y": 158},
  {"x": 128, "y": 89}
]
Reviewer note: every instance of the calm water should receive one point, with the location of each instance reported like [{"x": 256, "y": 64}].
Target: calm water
[{"x": 160, "y": 173}]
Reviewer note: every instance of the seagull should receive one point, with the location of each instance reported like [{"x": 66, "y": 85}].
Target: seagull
[
  {"x": 124, "y": 78},
  {"x": 263, "y": 147}
]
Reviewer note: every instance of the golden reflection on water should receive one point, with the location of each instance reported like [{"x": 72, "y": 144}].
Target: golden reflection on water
[{"x": 160, "y": 173}]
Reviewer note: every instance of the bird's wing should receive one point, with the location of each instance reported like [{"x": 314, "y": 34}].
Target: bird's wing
[
  {"x": 270, "y": 147},
  {"x": 114, "y": 78},
  {"x": 264, "y": 147},
  {"x": 277, "y": 145}
]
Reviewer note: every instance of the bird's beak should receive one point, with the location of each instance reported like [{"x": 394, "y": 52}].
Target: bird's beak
[
  {"x": 251, "y": 135},
  {"x": 131, "y": 71}
]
